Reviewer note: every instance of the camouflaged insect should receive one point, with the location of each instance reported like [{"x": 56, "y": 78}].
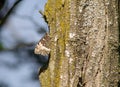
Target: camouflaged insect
[{"x": 42, "y": 47}]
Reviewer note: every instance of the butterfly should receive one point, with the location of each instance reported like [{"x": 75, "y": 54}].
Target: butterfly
[{"x": 42, "y": 47}]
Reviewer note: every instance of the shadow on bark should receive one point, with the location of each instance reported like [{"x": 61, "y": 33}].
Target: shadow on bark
[{"x": 44, "y": 66}]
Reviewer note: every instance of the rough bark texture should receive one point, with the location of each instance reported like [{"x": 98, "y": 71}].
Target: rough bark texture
[{"x": 84, "y": 44}]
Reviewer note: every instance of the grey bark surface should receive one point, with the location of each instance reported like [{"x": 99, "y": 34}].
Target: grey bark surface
[{"x": 84, "y": 47}]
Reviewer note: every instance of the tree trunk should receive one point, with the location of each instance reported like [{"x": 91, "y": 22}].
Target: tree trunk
[{"x": 84, "y": 43}]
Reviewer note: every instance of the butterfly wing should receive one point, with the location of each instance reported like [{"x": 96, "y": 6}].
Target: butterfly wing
[{"x": 42, "y": 47}]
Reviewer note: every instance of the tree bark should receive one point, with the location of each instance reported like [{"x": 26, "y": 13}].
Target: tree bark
[{"x": 84, "y": 43}]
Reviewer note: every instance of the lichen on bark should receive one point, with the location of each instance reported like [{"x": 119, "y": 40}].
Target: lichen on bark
[{"x": 57, "y": 13}]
